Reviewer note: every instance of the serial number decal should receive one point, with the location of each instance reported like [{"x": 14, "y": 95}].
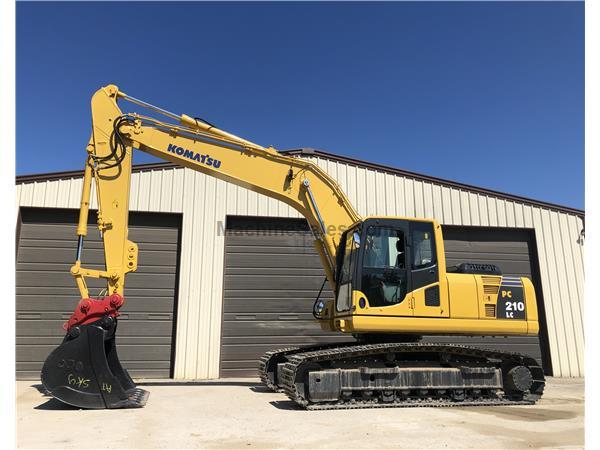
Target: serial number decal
[{"x": 511, "y": 301}]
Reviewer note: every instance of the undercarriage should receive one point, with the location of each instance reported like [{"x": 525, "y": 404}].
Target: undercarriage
[{"x": 401, "y": 374}]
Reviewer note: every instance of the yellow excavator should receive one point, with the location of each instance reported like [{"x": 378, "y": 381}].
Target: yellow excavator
[{"x": 388, "y": 274}]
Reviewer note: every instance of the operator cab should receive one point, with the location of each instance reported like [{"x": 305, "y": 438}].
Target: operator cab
[{"x": 385, "y": 259}]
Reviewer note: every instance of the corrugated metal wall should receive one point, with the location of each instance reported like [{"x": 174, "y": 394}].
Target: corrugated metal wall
[{"x": 205, "y": 202}]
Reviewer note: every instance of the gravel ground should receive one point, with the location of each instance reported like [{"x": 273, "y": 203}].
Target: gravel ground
[{"x": 235, "y": 414}]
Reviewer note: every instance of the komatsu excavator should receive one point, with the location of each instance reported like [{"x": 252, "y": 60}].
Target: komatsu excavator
[{"x": 388, "y": 274}]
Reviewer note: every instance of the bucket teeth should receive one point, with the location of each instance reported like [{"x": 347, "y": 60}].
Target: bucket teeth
[{"x": 138, "y": 398}]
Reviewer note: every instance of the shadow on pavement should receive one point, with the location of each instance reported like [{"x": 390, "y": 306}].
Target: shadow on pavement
[
  {"x": 199, "y": 383},
  {"x": 41, "y": 389},
  {"x": 51, "y": 404},
  {"x": 261, "y": 389},
  {"x": 55, "y": 405},
  {"x": 287, "y": 405}
]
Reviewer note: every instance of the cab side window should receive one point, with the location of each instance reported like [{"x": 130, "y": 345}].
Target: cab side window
[{"x": 423, "y": 245}]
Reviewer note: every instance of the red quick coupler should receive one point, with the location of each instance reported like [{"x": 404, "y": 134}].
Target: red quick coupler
[{"x": 90, "y": 309}]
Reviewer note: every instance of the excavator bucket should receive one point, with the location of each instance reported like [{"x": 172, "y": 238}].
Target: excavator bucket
[{"x": 85, "y": 371}]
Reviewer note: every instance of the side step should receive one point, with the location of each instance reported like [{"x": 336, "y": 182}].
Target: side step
[{"x": 85, "y": 371}]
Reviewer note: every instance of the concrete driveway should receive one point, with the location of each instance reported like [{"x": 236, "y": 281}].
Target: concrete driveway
[{"x": 241, "y": 414}]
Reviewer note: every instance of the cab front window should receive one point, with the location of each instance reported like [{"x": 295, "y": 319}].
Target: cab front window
[{"x": 346, "y": 271}]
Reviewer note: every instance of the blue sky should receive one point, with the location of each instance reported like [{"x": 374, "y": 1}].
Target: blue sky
[{"x": 489, "y": 94}]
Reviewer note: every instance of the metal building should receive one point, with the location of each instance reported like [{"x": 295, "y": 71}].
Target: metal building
[{"x": 226, "y": 273}]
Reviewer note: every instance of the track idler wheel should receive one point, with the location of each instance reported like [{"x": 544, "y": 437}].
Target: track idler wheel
[
  {"x": 85, "y": 371},
  {"x": 517, "y": 381}
]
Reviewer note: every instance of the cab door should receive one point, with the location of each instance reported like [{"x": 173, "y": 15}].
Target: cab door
[
  {"x": 427, "y": 298},
  {"x": 384, "y": 274}
]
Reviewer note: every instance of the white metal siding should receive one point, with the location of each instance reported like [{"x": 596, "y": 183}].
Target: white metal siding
[{"x": 205, "y": 202}]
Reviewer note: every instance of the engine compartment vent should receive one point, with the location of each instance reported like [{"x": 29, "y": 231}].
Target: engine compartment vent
[
  {"x": 490, "y": 310},
  {"x": 491, "y": 289},
  {"x": 491, "y": 280}
]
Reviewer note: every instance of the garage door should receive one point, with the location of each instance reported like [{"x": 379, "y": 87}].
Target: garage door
[
  {"x": 272, "y": 277},
  {"x": 46, "y": 294},
  {"x": 273, "y": 274},
  {"x": 513, "y": 250}
]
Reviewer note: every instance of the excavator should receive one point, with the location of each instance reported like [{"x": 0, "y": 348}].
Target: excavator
[{"x": 389, "y": 277}]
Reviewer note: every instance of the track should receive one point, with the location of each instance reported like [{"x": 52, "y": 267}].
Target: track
[
  {"x": 479, "y": 368},
  {"x": 267, "y": 366}
]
